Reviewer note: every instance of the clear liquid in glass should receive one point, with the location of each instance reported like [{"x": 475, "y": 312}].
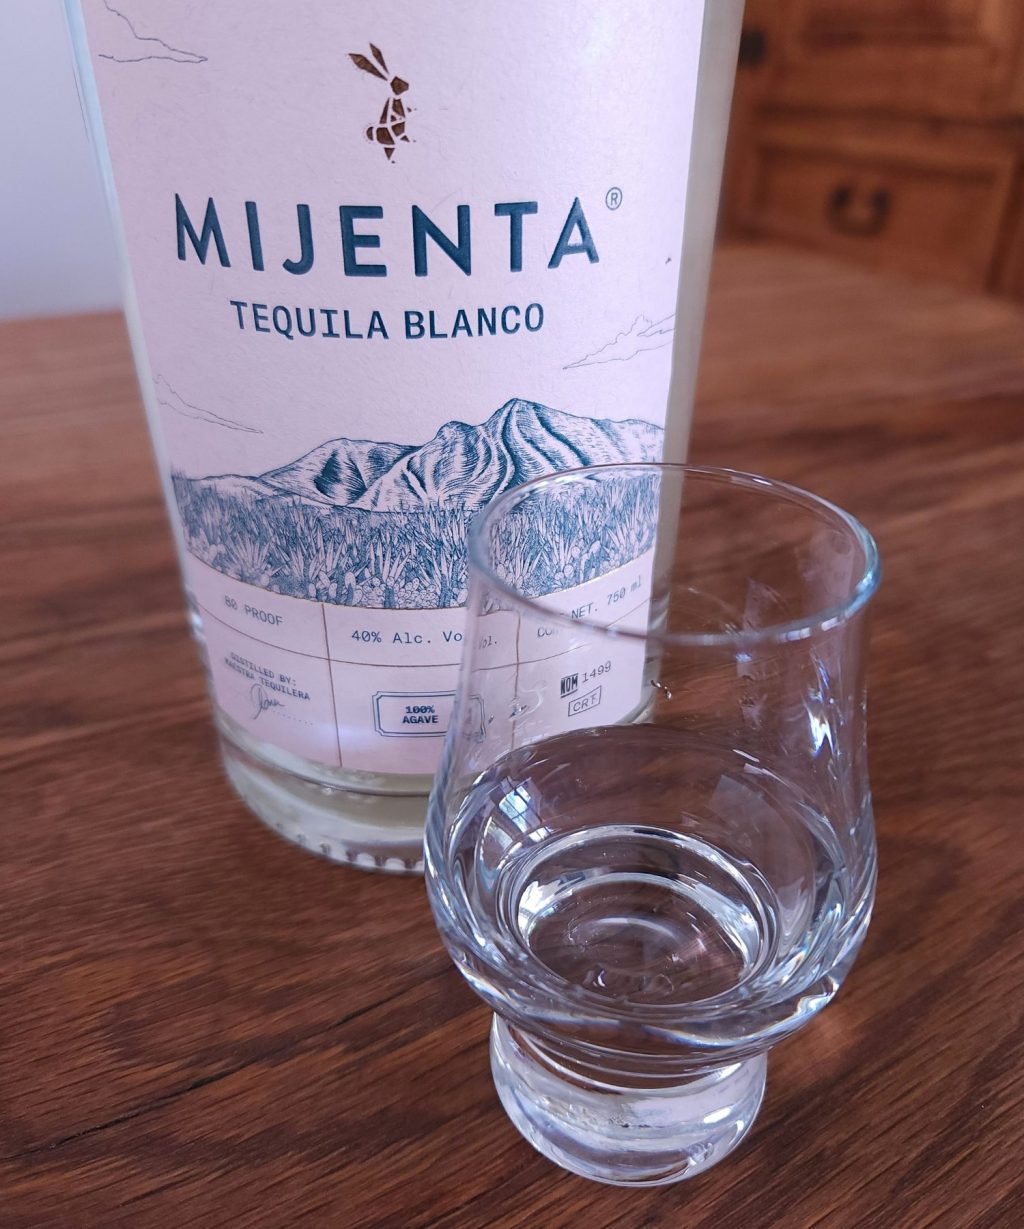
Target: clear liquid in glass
[{"x": 648, "y": 868}]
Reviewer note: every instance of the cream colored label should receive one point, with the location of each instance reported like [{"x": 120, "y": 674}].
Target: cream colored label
[{"x": 389, "y": 261}]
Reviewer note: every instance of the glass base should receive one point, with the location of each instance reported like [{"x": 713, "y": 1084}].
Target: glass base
[
  {"x": 624, "y": 1136},
  {"x": 370, "y": 822}
]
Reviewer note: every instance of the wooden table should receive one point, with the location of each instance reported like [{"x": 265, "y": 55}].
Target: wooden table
[{"x": 201, "y": 1025}]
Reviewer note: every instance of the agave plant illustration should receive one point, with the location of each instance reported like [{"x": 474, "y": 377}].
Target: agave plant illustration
[
  {"x": 633, "y": 530},
  {"x": 440, "y": 539},
  {"x": 518, "y": 548},
  {"x": 386, "y": 564},
  {"x": 248, "y": 559},
  {"x": 348, "y": 591},
  {"x": 409, "y": 559}
]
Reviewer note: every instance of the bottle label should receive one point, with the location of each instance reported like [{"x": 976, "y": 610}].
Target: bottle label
[{"x": 387, "y": 262}]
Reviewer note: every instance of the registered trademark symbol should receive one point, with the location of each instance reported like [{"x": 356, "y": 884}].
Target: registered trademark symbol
[{"x": 613, "y": 198}]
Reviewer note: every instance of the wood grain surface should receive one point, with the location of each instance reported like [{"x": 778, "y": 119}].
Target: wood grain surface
[{"x": 201, "y": 1025}]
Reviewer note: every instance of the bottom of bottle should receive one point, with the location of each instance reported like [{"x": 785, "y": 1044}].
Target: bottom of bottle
[{"x": 372, "y": 821}]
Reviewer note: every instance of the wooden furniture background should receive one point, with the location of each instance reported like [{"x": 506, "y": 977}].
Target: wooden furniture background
[
  {"x": 887, "y": 131},
  {"x": 201, "y": 1025}
]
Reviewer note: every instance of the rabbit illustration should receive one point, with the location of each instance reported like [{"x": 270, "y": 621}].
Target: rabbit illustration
[{"x": 390, "y": 128}]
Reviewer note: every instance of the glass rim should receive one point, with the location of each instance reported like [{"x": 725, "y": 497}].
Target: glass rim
[{"x": 822, "y": 620}]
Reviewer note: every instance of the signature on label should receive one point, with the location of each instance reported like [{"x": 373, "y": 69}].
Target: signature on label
[{"x": 262, "y": 701}]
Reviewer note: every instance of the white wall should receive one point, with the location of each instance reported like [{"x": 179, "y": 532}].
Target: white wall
[{"x": 56, "y": 252}]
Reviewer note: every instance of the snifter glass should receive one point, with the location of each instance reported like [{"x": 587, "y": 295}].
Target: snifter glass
[{"x": 650, "y": 847}]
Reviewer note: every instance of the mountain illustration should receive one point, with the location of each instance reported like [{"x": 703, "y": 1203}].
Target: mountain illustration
[
  {"x": 522, "y": 440},
  {"x": 373, "y": 523},
  {"x": 462, "y": 464},
  {"x": 339, "y": 472}
]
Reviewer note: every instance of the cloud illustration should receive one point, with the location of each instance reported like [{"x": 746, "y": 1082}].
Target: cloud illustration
[
  {"x": 116, "y": 38},
  {"x": 169, "y": 399},
  {"x": 642, "y": 335}
]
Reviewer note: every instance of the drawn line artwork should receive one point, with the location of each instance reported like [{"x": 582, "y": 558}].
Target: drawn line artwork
[
  {"x": 117, "y": 39},
  {"x": 169, "y": 399},
  {"x": 377, "y": 524},
  {"x": 642, "y": 335},
  {"x": 390, "y": 128}
]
